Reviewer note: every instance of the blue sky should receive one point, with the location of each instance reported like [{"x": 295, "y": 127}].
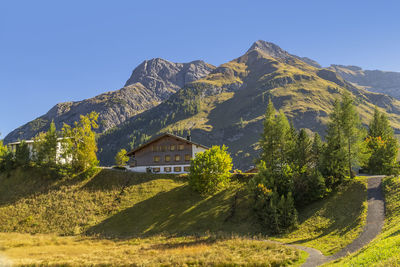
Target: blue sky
[{"x": 56, "y": 51}]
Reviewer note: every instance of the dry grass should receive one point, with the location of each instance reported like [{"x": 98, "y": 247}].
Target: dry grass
[{"x": 50, "y": 250}]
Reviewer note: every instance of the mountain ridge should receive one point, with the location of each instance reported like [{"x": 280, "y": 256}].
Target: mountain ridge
[
  {"x": 143, "y": 90},
  {"x": 226, "y": 104}
]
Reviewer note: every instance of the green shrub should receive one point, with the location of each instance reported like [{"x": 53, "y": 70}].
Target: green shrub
[
  {"x": 121, "y": 158},
  {"x": 210, "y": 170}
]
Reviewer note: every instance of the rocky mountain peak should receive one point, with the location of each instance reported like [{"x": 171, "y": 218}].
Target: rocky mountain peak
[
  {"x": 164, "y": 77},
  {"x": 269, "y": 48}
]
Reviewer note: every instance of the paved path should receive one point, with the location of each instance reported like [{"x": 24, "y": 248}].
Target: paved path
[{"x": 373, "y": 226}]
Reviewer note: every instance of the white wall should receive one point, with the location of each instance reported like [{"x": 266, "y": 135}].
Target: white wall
[
  {"x": 197, "y": 149},
  {"x": 144, "y": 168}
]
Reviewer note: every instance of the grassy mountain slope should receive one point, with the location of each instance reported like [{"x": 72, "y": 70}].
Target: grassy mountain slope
[
  {"x": 227, "y": 106},
  {"x": 385, "y": 249}
]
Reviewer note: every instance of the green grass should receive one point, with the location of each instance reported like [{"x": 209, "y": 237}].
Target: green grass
[
  {"x": 332, "y": 223},
  {"x": 385, "y": 249},
  {"x": 117, "y": 203},
  {"x": 112, "y": 217}
]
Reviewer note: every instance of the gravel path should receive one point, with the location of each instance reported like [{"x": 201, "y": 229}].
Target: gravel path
[{"x": 373, "y": 226}]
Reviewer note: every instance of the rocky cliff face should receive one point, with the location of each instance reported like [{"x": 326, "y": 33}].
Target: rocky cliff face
[
  {"x": 385, "y": 82},
  {"x": 165, "y": 78},
  {"x": 151, "y": 82}
]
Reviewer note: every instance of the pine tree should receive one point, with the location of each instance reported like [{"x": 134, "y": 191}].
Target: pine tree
[
  {"x": 45, "y": 147},
  {"x": 352, "y": 131},
  {"x": 22, "y": 155},
  {"x": 303, "y": 150},
  {"x": 275, "y": 178},
  {"x": 382, "y": 145},
  {"x": 317, "y": 149},
  {"x": 344, "y": 141}
]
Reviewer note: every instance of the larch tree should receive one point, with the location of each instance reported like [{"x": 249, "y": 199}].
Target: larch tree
[
  {"x": 382, "y": 145},
  {"x": 79, "y": 143}
]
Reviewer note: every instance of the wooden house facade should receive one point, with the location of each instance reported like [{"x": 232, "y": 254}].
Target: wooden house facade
[{"x": 167, "y": 153}]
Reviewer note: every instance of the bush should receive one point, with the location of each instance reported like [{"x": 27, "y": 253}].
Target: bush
[{"x": 210, "y": 170}]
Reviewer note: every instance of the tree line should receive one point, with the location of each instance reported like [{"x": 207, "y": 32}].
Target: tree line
[
  {"x": 295, "y": 169},
  {"x": 69, "y": 151}
]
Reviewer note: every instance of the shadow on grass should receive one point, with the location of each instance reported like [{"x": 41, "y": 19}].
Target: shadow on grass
[
  {"x": 342, "y": 209},
  {"x": 27, "y": 182},
  {"x": 178, "y": 211},
  {"x": 108, "y": 180}
]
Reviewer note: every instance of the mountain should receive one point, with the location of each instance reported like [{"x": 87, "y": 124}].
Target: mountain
[
  {"x": 385, "y": 82},
  {"x": 218, "y": 105},
  {"x": 227, "y": 105},
  {"x": 152, "y": 82}
]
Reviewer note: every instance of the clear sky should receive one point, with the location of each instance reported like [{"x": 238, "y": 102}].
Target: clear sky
[{"x": 56, "y": 51}]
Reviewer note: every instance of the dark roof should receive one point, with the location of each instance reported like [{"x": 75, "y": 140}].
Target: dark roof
[{"x": 161, "y": 136}]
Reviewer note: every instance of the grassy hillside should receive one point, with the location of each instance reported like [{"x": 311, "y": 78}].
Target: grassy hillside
[
  {"x": 111, "y": 217},
  {"x": 116, "y": 213},
  {"x": 332, "y": 223},
  {"x": 115, "y": 203},
  {"x": 385, "y": 249}
]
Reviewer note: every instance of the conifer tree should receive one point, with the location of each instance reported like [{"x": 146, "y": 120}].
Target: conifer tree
[
  {"x": 344, "y": 141},
  {"x": 317, "y": 149},
  {"x": 22, "y": 155},
  {"x": 382, "y": 145},
  {"x": 45, "y": 147},
  {"x": 273, "y": 185},
  {"x": 352, "y": 131}
]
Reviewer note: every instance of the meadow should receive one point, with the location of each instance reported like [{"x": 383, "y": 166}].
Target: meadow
[{"x": 115, "y": 218}]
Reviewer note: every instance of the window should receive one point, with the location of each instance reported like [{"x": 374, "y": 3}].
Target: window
[
  {"x": 186, "y": 168},
  {"x": 172, "y": 148},
  {"x": 177, "y": 169},
  {"x": 167, "y": 169},
  {"x": 154, "y": 148},
  {"x": 177, "y": 157},
  {"x": 163, "y": 148},
  {"x": 156, "y": 169},
  {"x": 167, "y": 158},
  {"x": 188, "y": 157},
  {"x": 156, "y": 158},
  {"x": 181, "y": 147}
]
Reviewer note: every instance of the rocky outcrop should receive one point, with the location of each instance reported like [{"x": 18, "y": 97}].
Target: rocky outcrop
[
  {"x": 151, "y": 82},
  {"x": 165, "y": 78},
  {"x": 385, "y": 82}
]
